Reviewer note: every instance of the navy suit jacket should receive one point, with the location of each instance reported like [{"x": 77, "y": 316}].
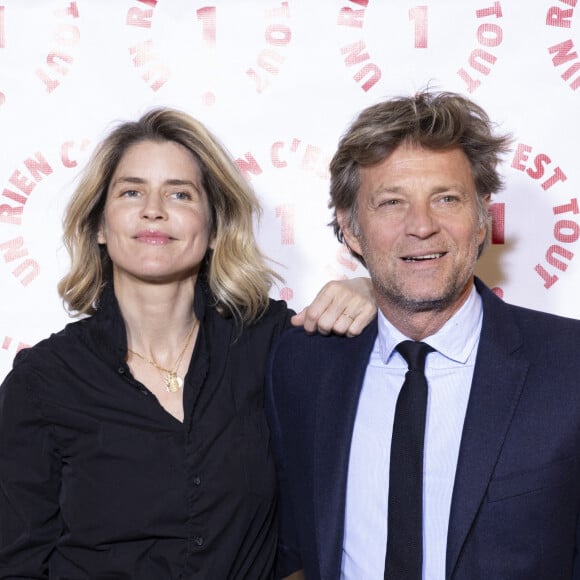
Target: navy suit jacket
[{"x": 516, "y": 498}]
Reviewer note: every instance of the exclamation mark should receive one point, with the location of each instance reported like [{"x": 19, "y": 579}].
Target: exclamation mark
[
  {"x": 497, "y": 211},
  {"x": 2, "y": 45},
  {"x": 207, "y": 17},
  {"x": 286, "y": 215}
]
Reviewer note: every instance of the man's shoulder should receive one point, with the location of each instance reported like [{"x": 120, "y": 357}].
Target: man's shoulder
[
  {"x": 544, "y": 339},
  {"x": 298, "y": 355},
  {"x": 544, "y": 327},
  {"x": 535, "y": 321},
  {"x": 531, "y": 321},
  {"x": 298, "y": 342}
]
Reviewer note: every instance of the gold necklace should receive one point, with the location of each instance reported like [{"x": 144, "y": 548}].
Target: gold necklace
[{"x": 173, "y": 382}]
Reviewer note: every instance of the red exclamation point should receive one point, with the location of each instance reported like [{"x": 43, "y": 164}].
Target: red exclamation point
[
  {"x": 207, "y": 17},
  {"x": 2, "y": 45},
  {"x": 497, "y": 211},
  {"x": 419, "y": 16},
  {"x": 286, "y": 215}
]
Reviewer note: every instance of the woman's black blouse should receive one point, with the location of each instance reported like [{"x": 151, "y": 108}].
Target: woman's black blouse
[{"x": 98, "y": 481}]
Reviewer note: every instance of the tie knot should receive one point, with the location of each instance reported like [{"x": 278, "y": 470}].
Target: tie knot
[{"x": 414, "y": 353}]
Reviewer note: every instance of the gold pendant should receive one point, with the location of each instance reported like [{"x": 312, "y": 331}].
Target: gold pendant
[{"x": 173, "y": 383}]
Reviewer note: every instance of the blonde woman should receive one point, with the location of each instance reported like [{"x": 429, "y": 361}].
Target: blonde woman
[{"x": 133, "y": 443}]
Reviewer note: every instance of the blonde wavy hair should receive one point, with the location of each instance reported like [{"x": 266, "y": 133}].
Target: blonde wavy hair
[{"x": 236, "y": 269}]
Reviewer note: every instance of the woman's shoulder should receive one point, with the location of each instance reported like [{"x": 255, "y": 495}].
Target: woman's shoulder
[
  {"x": 276, "y": 314},
  {"x": 57, "y": 346},
  {"x": 279, "y": 308}
]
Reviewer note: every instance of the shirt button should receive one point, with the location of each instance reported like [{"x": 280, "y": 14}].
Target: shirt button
[
  {"x": 197, "y": 480},
  {"x": 121, "y": 370},
  {"x": 198, "y": 540}
]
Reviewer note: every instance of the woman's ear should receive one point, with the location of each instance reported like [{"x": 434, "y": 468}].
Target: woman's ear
[{"x": 101, "y": 238}]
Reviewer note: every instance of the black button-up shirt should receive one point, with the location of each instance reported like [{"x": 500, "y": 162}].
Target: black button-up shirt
[{"x": 98, "y": 481}]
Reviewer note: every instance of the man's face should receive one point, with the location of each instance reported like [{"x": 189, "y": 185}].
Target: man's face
[{"x": 419, "y": 229}]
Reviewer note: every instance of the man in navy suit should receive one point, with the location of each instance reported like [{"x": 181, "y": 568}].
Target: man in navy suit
[{"x": 500, "y": 495}]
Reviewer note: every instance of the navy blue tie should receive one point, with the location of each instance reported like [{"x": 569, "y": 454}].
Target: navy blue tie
[{"x": 404, "y": 559}]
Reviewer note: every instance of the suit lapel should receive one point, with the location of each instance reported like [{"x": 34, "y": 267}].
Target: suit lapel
[
  {"x": 497, "y": 384},
  {"x": 336, "y": 409}
]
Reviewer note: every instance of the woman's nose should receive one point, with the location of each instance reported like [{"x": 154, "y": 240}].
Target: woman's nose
[{"x": 154, "y": 208}]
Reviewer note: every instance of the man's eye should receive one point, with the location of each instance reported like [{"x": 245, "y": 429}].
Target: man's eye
[{"x": 130, "y": 193}]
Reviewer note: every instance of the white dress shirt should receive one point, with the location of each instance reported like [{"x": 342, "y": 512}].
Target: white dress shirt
[{"x": 449, "y": 372}]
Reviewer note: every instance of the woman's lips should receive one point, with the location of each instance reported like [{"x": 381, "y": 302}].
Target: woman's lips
[{"x": 153, "y": 237}]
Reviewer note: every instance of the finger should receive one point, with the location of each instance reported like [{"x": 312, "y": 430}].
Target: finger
[
  {"x": 315, "y": 317},
  {"x": 348, "y": 296},
  {"x": 298, "y": 319},
  {"x": 301, "y": 320},
  {"x": 338, "y": 323},
  {"x": 343, "y": 324},
  {"x": 342, "y": 307},
  {"x": 363, "y": 317}
]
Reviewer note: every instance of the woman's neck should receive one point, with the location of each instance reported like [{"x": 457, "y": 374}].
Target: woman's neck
[{"x": 157, "y": 317}]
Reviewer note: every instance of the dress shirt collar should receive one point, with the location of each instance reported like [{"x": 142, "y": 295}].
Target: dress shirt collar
[
  {"x": 454, "y": 340},
  {"x": 108, "y": 335}
]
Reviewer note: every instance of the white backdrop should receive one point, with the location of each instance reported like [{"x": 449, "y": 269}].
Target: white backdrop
[{"x": 278, "y": 82}]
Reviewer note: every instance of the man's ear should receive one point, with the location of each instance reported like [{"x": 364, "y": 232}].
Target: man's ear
[
  {"x": 485, "y": 229},
  {"x": 351, "y": 240}
]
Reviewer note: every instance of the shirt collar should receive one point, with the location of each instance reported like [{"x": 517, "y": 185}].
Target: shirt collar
[
  {"x": 454, "y": 340},
  {"x": 107, "y": 327}
]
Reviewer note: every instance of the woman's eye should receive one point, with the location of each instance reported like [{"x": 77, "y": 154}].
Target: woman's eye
[
  {"x": 182, "y": 195},
  {"x": 130, "y": 193}
]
